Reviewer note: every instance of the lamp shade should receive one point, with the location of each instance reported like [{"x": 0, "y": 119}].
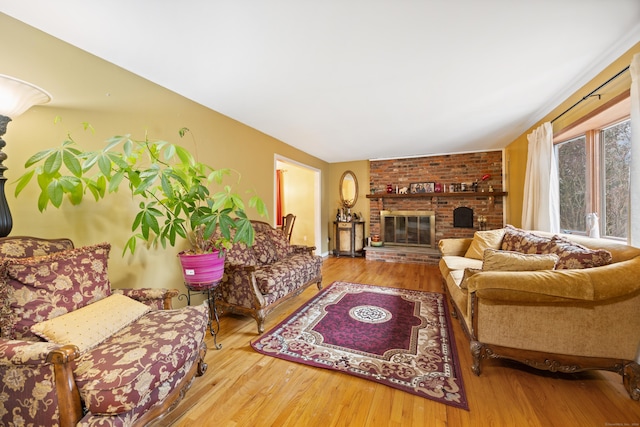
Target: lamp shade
[{"x": 17, "y": 96}]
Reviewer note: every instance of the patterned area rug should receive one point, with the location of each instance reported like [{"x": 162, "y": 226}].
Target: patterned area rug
[{"x": 397, "y": 337}]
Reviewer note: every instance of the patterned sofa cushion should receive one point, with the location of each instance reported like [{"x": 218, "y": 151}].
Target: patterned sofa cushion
[
  {"x": 573, "y": 255},
  {"x": 293, "y": 271},
  {"x": 280, "y": 242},
  {"x": 264, "y": 251},
  {"x": 522, "y": 241},
  {"x": 41, "y": 288},
  {"x": 120, "y": 374},
  {"x": 270, "y": 245},
  {"x": 27, "y": 247}
]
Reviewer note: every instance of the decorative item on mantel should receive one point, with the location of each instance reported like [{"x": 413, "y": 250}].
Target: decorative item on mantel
[
  {"x": 16, "y": 97},
  {"x": 484, "y": 177}
]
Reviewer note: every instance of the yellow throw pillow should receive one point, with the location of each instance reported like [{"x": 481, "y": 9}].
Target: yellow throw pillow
[
  {"x": 489, "y": 239},
  {"x": 516, "y": 261},
  {"x": 88, "y": 326}
]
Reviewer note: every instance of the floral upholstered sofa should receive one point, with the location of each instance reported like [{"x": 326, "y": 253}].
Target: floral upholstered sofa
[
  {"x": 74, "y": 352},
  {"x": 562, "y": 303},
  {"x": 258, "y": 278}
]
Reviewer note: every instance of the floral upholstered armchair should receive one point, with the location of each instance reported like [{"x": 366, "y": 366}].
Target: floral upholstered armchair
[{"x": 72, "y": 352}]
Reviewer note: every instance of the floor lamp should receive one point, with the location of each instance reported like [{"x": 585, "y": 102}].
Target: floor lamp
[{"x": 16, "y": 97}]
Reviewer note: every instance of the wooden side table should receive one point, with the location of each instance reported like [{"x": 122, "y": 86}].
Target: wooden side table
[
  {"x": 348, "y": 238},
  {"x": 209, "y": 290}
]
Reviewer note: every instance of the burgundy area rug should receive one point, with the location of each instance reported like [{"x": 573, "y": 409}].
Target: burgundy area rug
[{"x": 397, "y": 337}]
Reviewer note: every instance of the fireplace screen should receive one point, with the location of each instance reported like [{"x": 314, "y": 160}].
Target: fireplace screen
[{"x": 409, "y": 228}]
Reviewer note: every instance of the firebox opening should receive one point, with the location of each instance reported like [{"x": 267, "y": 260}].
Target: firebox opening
[
  {"x": 408, "y": 228},
  {"x": 463, "y": 217}
]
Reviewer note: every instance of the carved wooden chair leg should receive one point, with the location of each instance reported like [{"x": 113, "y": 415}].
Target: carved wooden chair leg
[
  {"x": 202, "y": 366},
  {"x": 477, "y": 354},
  {"x": 260, "y": 319},
  {"x": 631, "y": 380}
]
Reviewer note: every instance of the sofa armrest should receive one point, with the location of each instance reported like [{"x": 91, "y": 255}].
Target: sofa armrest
[
  {"x": 45, "y": 373},
  {"x": 589, "y": 285},
  {"x": 238, "y": 286},
  {"x": 454, "y": 247},
  {"x": 156, "y": 298},
  {"x": 20, "y": 352},
  {"x": 303, "y": 249}
]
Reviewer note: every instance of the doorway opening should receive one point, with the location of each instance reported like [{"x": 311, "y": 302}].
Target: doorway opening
[{"x": 297, "y": 191}]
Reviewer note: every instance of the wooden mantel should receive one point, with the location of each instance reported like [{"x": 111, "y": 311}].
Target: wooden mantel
[{"x": 441, "y": 194}]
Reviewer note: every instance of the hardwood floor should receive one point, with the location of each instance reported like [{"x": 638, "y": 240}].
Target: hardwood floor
[{"x": 245, "y": 388}]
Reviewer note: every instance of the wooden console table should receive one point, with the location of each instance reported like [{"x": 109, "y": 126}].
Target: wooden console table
[{"x": 348, "y": 238}]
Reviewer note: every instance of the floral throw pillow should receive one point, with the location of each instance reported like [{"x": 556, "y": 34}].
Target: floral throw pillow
[
  {"x": 25, "y": 247},
  {"x": 573, "y": 255},
  {"x": 517, "y": 240},
  {"x": 42, "y": 288}
]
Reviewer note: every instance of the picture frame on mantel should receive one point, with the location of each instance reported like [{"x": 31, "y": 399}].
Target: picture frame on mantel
[
  {"x": 430, "y": 187},
  {"x": 417, "y": 187},
  {"x": 421, "y": 187}
]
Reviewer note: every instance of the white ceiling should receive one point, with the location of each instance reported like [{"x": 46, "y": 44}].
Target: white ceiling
[{"x": 357, "y": 79}]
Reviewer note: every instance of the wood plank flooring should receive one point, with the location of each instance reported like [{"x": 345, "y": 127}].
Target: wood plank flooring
[{"x": 244, "y": 388}]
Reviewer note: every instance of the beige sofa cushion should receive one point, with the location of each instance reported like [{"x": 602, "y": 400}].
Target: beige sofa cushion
[
  {"x": 495, "y": 260},
  {"x": 88, "y": 326},
  {"x": 460, "y": 263},
  {"x": 515, "y": 261},
  {"x": 489, "y": 239}
]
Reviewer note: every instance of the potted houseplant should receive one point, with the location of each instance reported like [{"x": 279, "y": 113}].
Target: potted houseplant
[{"x": 176, "y": 200}]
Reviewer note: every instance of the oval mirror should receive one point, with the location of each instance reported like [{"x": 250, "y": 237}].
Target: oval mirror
[{"x": 348, "y": 189}]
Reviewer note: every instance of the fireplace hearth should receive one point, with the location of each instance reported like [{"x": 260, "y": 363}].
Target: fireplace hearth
[{"x": 408, "y": 228}]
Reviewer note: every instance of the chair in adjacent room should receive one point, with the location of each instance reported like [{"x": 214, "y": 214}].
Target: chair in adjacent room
[{"x": 287, "y": 225}]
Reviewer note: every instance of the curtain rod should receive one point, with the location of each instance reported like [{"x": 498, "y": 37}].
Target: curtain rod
[{"x": 590, "y": 94}]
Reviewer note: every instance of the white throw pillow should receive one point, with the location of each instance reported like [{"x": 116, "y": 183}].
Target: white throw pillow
[{"x": 88, "y": 326}]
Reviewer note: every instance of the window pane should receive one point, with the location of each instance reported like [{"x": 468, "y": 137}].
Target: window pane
[
  {"x": 616, "y": 148},
  {"x": 572, "y": 174}
]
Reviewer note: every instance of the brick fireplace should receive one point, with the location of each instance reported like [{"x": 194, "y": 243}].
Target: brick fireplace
[{"x": 443, "y": 171}]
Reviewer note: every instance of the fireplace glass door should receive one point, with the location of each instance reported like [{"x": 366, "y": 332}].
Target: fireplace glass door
[{"x": 411, "y": 228}]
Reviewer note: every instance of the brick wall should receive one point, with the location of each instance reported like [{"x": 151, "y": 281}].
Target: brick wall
[{"x": 446, "y": 169}]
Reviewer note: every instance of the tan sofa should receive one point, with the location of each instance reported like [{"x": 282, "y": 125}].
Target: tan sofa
[{"x": 567, "y": 319}]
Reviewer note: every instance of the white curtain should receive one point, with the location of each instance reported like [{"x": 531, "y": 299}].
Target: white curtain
[
  {"x": 634, "y": 182},
  {"x": 541, "y": 204}
]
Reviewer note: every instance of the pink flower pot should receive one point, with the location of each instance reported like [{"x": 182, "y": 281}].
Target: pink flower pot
[{"x": 202, "y": 269}]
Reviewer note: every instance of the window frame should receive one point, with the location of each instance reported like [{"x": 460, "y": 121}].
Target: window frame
[{"x": 591, "y": 125}]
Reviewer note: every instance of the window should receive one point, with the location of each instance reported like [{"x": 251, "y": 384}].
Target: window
[
  {"x": 572, "y": 177},
  {"x": 593, "y": 170},
  {"x": 616, "y": 159}
]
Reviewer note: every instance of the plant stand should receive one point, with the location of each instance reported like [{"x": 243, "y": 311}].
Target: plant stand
[{"x": 209, "y": 290}]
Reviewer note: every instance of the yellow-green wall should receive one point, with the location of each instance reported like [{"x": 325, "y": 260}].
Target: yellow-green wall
[
  {"x": 115, "y": 101},
  {"x": 516, "y": 152}
]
